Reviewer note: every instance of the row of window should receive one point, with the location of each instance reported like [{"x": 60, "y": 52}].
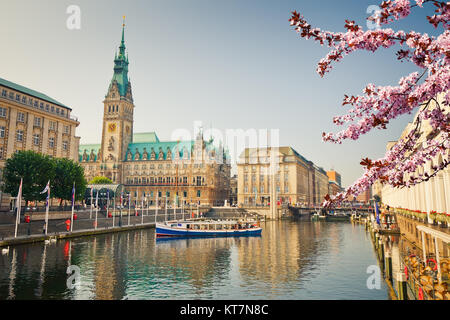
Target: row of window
[
  {"x": 34, "y": 103},
  {"x": 255, "y": 168},
  {"x": 36, "y": 139},
  {"x": 262, "y": 178},
  {"x": 255, "y": 189},
  {"x": 53, "y": 125},
  {"x": 199, "y": 181},
  {"x": 161, "y": 166},
  {"x": 151, "y": 194}
]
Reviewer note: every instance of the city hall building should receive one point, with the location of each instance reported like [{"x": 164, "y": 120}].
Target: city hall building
[{"x": 190, "y": 172}]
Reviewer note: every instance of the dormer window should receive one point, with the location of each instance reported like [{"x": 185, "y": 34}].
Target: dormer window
[{"x": 137, "y": 155}]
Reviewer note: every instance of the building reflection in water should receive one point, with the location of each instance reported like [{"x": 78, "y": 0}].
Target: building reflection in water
[
  {"x": 284, "y": 260},
  {"x": 283, "y": 253}
]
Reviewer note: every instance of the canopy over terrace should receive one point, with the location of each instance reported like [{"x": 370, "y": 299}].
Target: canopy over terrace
[{"x": 103, "y": 189}]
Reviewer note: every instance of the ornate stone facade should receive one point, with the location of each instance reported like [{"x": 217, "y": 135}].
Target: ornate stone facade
[{"x": 190, "y": 172}]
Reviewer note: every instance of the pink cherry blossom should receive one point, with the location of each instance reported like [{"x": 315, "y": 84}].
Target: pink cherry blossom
[{"x": 378, "y": 105}]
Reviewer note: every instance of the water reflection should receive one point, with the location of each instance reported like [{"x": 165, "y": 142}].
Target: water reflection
[{"x": 290, "y": 260}]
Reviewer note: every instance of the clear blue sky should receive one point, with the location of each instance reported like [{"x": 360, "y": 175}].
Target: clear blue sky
[{"x": 230, "y": 64}]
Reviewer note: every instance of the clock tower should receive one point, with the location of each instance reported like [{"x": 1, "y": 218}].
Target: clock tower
[{"x": 118, "y": 110}]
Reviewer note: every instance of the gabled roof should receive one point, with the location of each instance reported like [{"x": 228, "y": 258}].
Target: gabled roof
[{"x": 30, "y": 92}]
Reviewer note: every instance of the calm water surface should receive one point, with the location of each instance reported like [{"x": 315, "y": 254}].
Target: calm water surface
[{"x": 291, "y": 260}]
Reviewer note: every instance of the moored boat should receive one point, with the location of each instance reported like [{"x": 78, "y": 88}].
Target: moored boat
[{"x": 207, "y": 228}]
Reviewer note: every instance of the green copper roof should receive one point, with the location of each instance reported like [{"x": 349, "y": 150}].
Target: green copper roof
[
  {"x": 95, "y": 148},
  {"x": 121, "y": 67},
  {"x": 165, "y": 146},
  {"x": 30, "y": 92},
  {"x": 149, "y": 137}
]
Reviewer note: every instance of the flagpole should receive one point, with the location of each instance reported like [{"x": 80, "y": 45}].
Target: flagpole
[
  {"x": 92, "y": 202},
  {"x": 73, "y": 204},
  {"x": 96, "y": 209},
  {"x": 121, "y": 203},
  {"x": 129, "y": 203},
  {"x": 19, "y": 199},
  {"x": 107, "y": 206},
  {"x": 114, "y": 205},
  {"x": 142, "y": 210},
  {"x": 46, "y": 209}
]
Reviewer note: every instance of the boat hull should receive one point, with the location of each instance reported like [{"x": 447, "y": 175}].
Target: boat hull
[{"x": 166, "y": 231}]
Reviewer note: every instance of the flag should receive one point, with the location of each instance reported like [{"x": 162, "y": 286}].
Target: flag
[
  {"x": 19, "y": 205},
  {"x": 19, "y": 194},
  {"x": 47, "y": 189},
  {"x": 19, "y": 198},
  {"x": 377, "y": 212},
  {"x": 73, "y": 195},
  {"x": 96, "y": 199}
]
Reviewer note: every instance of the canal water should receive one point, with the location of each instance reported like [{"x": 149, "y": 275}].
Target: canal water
[{"x": 290, "y": 260}]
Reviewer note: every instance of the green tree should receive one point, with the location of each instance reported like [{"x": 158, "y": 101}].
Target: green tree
[
  {"x": 100, "y": 180},
  {"x": 35, "y": 169},
  {"x": 67, "y": 172}
]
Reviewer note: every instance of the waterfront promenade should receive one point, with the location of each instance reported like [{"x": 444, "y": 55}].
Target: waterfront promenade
[{"x": 83, "y": 225}]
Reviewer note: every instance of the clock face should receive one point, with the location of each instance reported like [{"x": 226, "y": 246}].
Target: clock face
[{"x": 112, "y": 127}]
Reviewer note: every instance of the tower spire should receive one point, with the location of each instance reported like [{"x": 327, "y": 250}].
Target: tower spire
[
  {"x": 121, "y": 66},
  {"x": 122, "y": 43},
  {"x": 123, "y": 31}
]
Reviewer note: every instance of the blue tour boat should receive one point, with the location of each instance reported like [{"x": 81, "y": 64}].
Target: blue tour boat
[{"x": 207, "y": 228}]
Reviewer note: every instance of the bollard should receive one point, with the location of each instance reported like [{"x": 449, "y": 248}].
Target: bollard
[
  {"x": 388, "y": 263},
  {"x": 401, "y": 285},
  {"x": 376, "y": 240},
  {"x": 381, "y": 254}
]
